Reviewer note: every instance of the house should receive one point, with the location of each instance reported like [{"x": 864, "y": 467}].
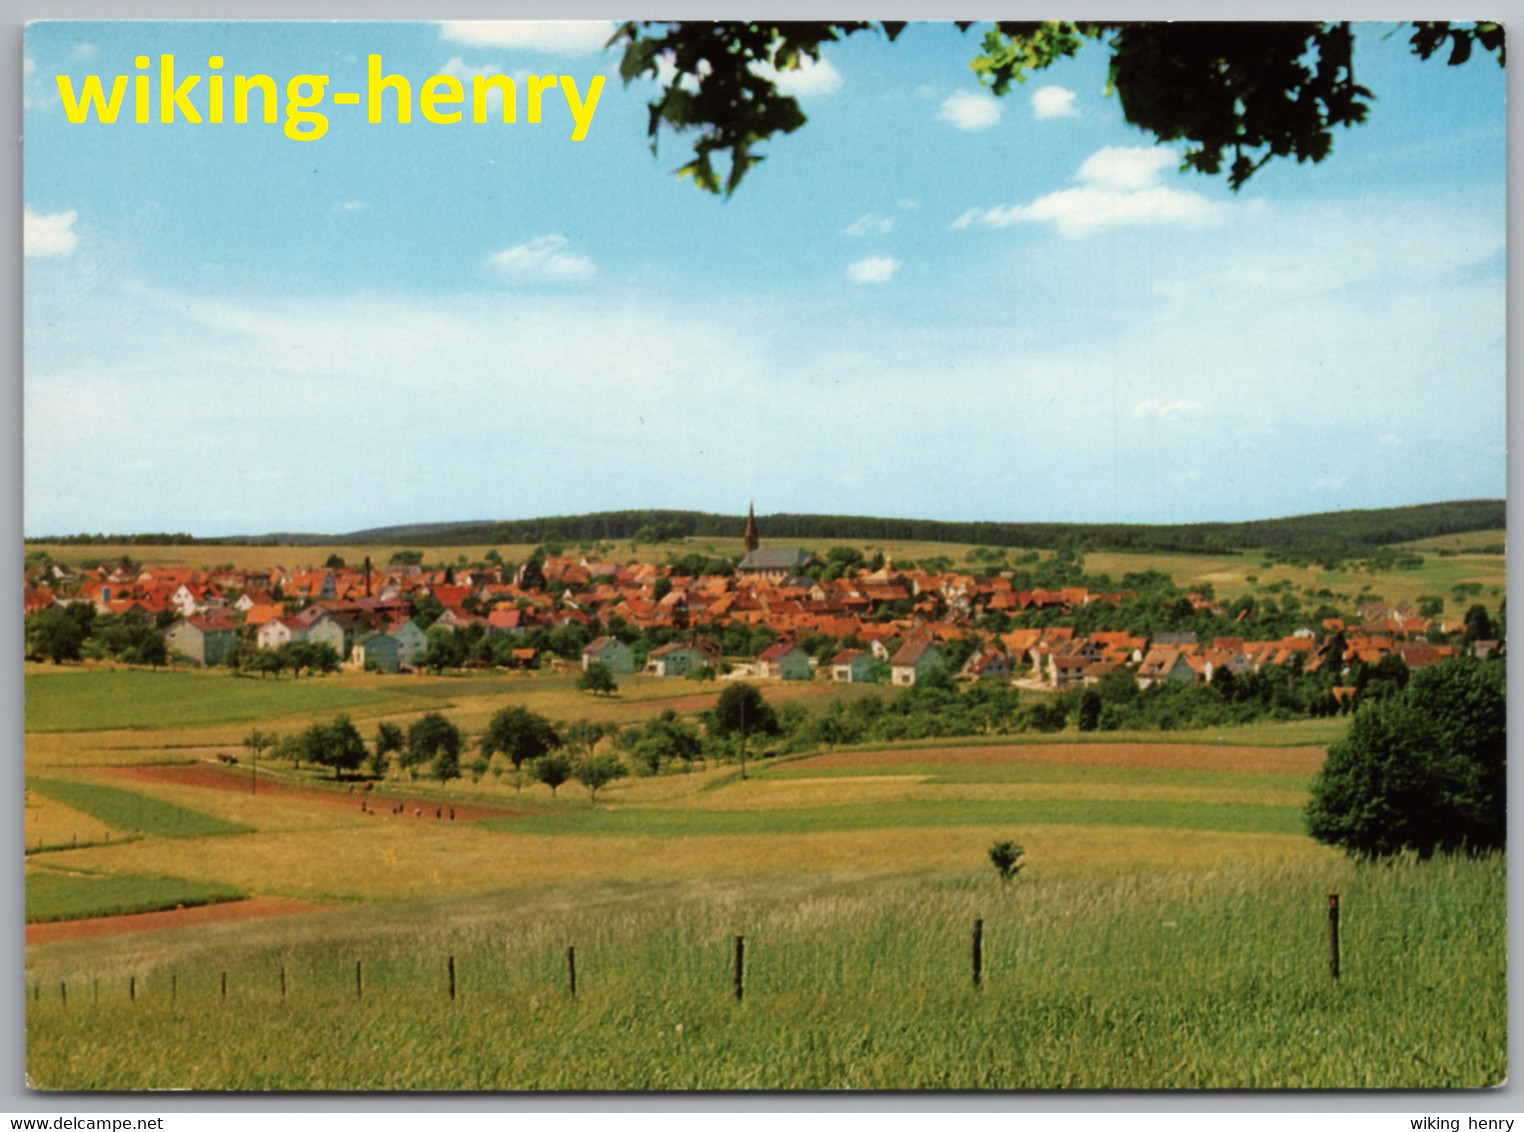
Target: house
[
  {"x": 915, "y": 659},
  {"x": 610, "y": 652},
  {"x": 988, "y": 664},
  {"x": 1160, "y": 664},
  {"x": 682, "y": 657},
  {"x": 784, "y": 660},
  {"x": 203, "y": 639},
  {"x": 412, "y": 642},
  {"x": 854, "y": 666},
  {"x": 675, "y": 659},
  {"x": 379, "y": 651}
]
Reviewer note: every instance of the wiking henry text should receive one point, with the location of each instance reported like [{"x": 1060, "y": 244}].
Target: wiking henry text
[{"x": 167, "y": 97}]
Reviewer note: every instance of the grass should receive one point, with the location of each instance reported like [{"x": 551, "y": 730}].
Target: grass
[
  {"x": 126, "y": 810},
  {"x": 52, "y": 896},
  {"x": 108, "y": 699},
  {"x": 1156, "y": 978},
  {"x": 1236, "y": 818}
]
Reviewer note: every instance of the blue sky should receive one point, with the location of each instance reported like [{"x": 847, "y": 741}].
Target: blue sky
[{"x": 927, "y": 302}]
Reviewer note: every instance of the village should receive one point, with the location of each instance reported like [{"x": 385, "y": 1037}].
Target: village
[{"x": 777, "y": 615}]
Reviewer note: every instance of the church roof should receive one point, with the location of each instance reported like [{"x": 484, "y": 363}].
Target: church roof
[{"x": 789, "y": 558}]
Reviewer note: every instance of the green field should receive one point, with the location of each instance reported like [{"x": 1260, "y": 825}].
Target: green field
[
  {"x": 51, "y": 896},
  {"x": 109, "y": 699},
  {"x": 133, "y": 812}
]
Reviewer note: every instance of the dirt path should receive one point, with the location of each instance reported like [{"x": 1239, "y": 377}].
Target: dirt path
[
  {"x": 216, "y": 777},
  {"x": 228, "y": 912}
]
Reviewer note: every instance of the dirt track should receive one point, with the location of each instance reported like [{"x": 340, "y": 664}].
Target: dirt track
[
  {"x": 228, "y": 912},
  {"x": 215, "y": 777}
]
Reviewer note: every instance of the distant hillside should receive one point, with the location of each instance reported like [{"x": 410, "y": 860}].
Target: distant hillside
[{"x": 1336, "y": 533}]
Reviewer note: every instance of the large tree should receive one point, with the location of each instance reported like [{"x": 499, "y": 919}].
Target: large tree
[
  {"x": 521, "y": 735},
  {"x": 433, "y": 739},
  {"x": 1255, "y": 91},
  {"x": 1424, "y": 769}
]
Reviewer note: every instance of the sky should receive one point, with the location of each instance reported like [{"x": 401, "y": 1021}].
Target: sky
[{"x": 928, "y": 302}]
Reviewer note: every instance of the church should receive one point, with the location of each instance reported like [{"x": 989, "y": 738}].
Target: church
[{"x": 774, "y": 564}]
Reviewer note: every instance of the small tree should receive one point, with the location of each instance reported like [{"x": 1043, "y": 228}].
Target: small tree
[
  {"x": 598, "y": 678},
  {"x": 1006, "y": 857},
  {"x": 552, "y": 770},
  {"x": 389, "y": 741},
  {"x": 597, "y": 771}
]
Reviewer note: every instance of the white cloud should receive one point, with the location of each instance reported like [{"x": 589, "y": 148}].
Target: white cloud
[
  {"x": 874, "y": 269},
  {"x": 352, "y": 206},
  {"x": 1120, "y": 190},
  {"x": 1168, "y": 410},
  {"x": 50, "y": 234},
  {"x": 909, "y": 204},
  {"x": 544, "y": 257},
  {"x": 810, "y": 77},
  {"x": 557, "y": 37},
  {"x": 84, "y": 51},
  {"x": 460, "y": 69},
  {"x": 873, "y": 224},
  {"x": 1127, "y": 168},
  {"x": 969, "y": 111},
  {"x": 1053, "y": 102}
]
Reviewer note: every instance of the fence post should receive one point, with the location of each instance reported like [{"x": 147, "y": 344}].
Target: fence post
[
  {"x": 63, "y": 993},
  {"x": 359, "y": 983},
  {"x": 978, "y": 952},
  {"x": 1333, "y": 935},
  {"x": 571, "y": 970},
  {"x": 224, "y": 986},
  {"x": 174, "y": 987},
  {"x": 452, "y": 978},
  {"x": 740, "y": 965},
  {"x": 97, "y": 990},
  {"x": 132, "y": 988},
  {"x": 283, "y": 980}
]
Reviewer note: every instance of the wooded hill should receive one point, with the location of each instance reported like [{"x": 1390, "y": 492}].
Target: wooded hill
[{"x": 1337, "y": 533}]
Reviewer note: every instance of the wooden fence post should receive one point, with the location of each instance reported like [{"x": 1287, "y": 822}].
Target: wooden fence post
[
  {"x": 978, "y": 953},
  {"x": 63, "y": 993},
  {"x": 132, "y": 988},
  {"x": 283, "y": 980},
  {"x": 174, "y": 987},
  {"x": 740, "y": 965},
  {"x": 97, "y": 990},
  {"x": 1333, "y": 935},
  {"x": 359, "y": 983},
  {"x": 224, "y": 986},
  {"x": 452, "y": 978},
  {"x": 571, "y": 970}
]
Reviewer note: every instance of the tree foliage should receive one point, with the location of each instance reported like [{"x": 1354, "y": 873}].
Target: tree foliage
[
  {"x": 519, "y": 734},
  {"x": 742, "y": 711},
  {"x": 597, "y": 771},
  {"x": 1256, "y": 90},
  {"x": 598, "y": 678},
  {"x": 1423, "y": 769},
  {"x": 552, "y": 770},
  {"x": 433, "y": 739},
  {"x": 336, "y": 744}
]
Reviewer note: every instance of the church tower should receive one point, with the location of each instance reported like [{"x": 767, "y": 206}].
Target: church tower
[{"x": 750, "y": 538}]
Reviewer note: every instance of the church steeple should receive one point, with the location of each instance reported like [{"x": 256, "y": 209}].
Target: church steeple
[{"x": 750, "y": 537}]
